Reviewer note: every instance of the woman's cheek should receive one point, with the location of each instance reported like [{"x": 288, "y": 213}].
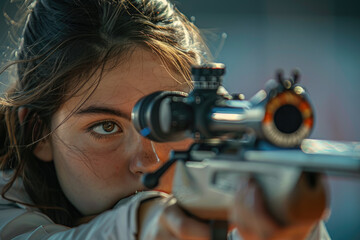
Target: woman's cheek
[
  {"x": 102, "y": 147},
  {"x": 182, "y": 145},
  {"x": 125, "y": 143},
  {"x": 163, "y": 149}
]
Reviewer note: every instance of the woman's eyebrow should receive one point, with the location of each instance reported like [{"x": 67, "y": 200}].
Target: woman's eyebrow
[{"x": 103, "y": 110}]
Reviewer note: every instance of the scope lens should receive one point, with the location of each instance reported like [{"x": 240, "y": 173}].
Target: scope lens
[{"x": 288, "y": 118}]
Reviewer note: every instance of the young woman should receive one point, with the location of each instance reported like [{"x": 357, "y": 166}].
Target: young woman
[{"x": 70, "y": 158}]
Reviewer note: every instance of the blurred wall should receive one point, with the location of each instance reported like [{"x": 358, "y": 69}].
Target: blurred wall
[{"x": 321, "y": 37}]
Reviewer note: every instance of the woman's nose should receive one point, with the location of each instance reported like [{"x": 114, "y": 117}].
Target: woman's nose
[{"x": 146, "y": 158}]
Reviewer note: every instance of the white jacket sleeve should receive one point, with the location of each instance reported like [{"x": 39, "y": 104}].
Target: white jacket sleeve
[{"x": 118, "y": 223}]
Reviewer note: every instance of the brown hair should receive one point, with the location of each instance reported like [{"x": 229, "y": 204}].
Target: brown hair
[{"x": 63, "y": 40}]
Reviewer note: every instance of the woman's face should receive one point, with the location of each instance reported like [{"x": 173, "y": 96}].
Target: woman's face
[{"x": 98, "y": 155}]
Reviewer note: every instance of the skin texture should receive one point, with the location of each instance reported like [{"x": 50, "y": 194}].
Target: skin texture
[{"x": 99, "y": 157}]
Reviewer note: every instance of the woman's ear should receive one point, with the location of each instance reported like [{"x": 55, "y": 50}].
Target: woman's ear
[{"x": 43, "y": 149}]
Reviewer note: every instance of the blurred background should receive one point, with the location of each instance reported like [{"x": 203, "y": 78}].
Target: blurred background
[
  {"x": 322, "y": 39},
  {"x": 255, "y": 38}
]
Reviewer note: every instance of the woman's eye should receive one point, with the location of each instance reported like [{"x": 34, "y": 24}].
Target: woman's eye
[{"x": 106, "y": 128}]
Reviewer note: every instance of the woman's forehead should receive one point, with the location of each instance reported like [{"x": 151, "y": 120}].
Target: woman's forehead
[
  {"x": 135, "y": 76},
  {"x": 140, "y": 73}
]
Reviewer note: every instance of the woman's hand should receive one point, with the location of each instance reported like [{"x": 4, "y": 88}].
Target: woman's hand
[
  {"x": 162, "y": 218},
  {"x": 253, "y": 221}
]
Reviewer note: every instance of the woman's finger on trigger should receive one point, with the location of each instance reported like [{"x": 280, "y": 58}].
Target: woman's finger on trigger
[{"x": 183, "y": 226}]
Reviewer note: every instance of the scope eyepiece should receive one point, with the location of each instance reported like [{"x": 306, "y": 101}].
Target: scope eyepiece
[{"x": 162, "y": 116}]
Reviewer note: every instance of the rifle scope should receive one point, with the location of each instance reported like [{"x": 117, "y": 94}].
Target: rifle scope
[{"x": 280, "y": 114}]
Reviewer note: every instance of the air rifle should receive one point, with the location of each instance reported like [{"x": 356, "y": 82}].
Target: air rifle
[{"x": 264, "y": 138}]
